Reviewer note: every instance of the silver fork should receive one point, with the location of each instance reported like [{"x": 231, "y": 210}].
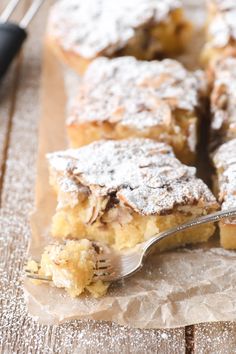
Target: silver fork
[
  {"x": 13, "y": 35},
  {"x": 112, "y": 266}
]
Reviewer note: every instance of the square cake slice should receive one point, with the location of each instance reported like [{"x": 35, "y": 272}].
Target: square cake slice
[
  {"x": 79, "y": 30},
  {"x": 223, "y": 101},
  {"x": 123, "y": 97},
  {"x": 123, "y": 192},
  {"x": 225, "y": 185},
  {"x": 221, "y": 30}
]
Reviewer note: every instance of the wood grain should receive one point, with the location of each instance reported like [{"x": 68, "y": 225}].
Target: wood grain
[
  {"x": 217, "y": 338},
  {"x": 19, "y": 113},
  {"x": 8, "y": 91},
  {"x": 7, "y": 98}
]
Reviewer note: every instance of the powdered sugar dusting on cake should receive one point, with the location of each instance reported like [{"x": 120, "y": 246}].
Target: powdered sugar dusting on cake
[
  {"x": 222, "y": 5},
  {"x": 137, "y": 94},
  {"x": 223, "y": 98},
  {"x": 91, "y": 27},
  {"x": 142, "y": 173},
  {"x": 225, "y": 155},
  {"x": 225, "y": 162},
  {"x": 222, "y": 27}
]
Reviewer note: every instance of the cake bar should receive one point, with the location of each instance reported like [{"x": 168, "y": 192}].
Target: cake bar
[
  {"x": 124, "y": 97},
  {"x": 223, "y": 101},
  {"x": 123, "y": 192},
  {"x": 221, "y": 30},
  {"x": 79, "y": 30},
  {"x": 225, "y": 185}
]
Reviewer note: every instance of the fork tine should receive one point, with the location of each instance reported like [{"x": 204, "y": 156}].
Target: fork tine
[
  {"x": 33, "y": 9},
  {"x": 102, "y": 262},
  {"x": 9, "y": 9},
  {"x": 38, "y": 277},
  {"x": 7, "y": 12},
  {"x": 102, "y": 270},
  {"x": 103, "y": 277},
  {"x": 121, "y": 266},
  {"x": 28, "y": 271},
  {"x": 104, "y": 265},
  {"x": 25, "y": 265},
  {"x": 34, "y": 274}
]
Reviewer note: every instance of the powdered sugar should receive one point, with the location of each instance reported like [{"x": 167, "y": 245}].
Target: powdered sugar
[
  {"x": 94, "y": 26},
  {"x": 144, "y": 174},
  {"x": 223, "y": 99},
  {"x": 139, "y": 95},
  {"x": 222, "y": 27},
  {"x": 225, "y": 162}
]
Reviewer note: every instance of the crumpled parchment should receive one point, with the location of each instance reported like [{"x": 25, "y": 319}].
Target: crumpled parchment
[{"x": 174, "y": 289}]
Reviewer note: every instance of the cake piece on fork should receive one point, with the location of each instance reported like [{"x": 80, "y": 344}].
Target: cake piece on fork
[
  {"x": 80, "y": 31},
  {"x": 124, "y": 97},
  {"x": 224, "y": 160},
  {"x": 71, "y": 266},
  {"x": 123, "y": 192}
]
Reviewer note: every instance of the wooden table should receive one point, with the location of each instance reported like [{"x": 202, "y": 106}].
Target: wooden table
[{"x": 19, "y": 114}]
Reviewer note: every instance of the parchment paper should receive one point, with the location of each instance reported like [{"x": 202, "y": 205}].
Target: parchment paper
[{"x": 177, "y": 288}]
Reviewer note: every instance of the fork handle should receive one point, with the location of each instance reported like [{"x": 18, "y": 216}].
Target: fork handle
[
  {"x": 219, "y": 215},
  {"x": 11, "y": 39}
]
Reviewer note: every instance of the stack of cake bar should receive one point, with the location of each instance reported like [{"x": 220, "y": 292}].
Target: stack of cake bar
[
  {"x": 133, "y": 131},
  {"x": 219, "y": 56}
]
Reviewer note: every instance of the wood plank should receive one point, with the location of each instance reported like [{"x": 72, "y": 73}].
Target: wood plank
[
  {"x": 20, "y": 333},
  {"x": 8, "y": 90},
  {"x": 215, "y": 338},
  {"x": 7, "y": 98},
  {"x": 189, "y": 339}
]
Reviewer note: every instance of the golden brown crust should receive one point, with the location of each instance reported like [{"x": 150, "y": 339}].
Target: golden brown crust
[{"x": 74, "y": 61}]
